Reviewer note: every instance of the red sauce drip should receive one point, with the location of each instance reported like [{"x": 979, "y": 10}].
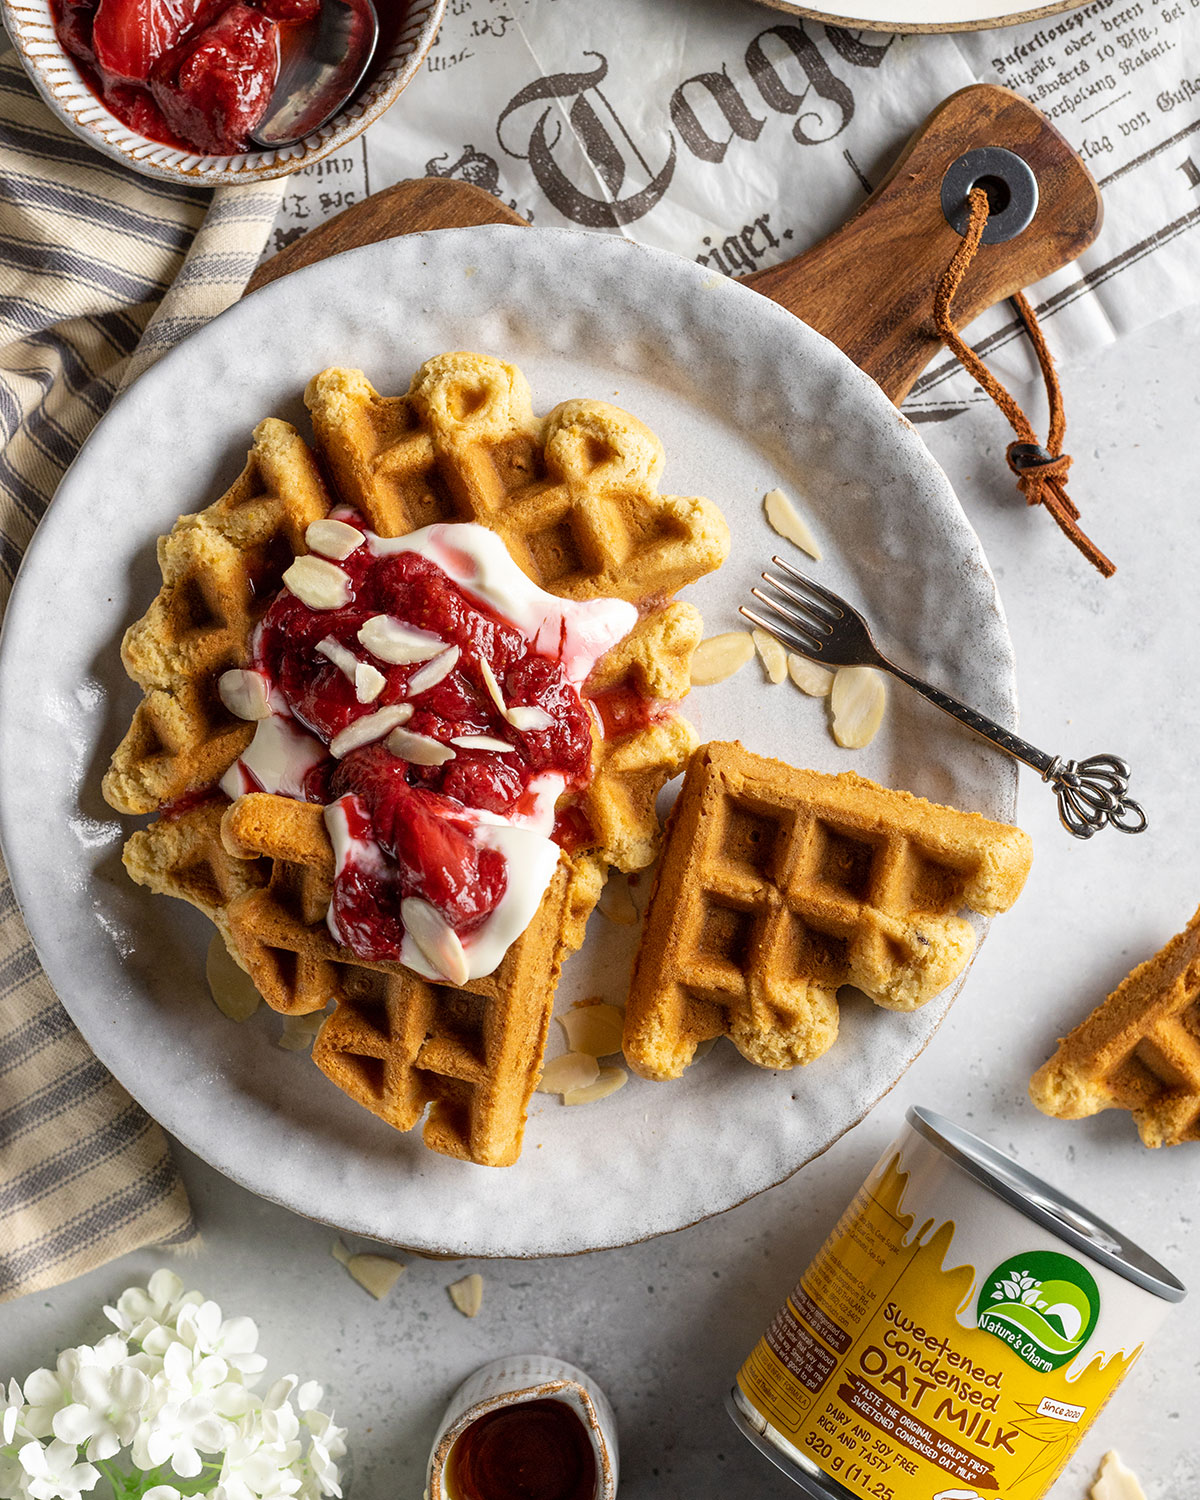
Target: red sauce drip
[
  {"x": 188, "y": 801},
  {"x": 194, "y": 74},
  {"x": 537, "y": 1450},
  {"x": 623, "y": 711}
]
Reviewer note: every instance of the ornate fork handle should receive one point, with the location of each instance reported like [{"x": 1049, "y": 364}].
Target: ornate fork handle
[{"x": 1092, "y": 794}]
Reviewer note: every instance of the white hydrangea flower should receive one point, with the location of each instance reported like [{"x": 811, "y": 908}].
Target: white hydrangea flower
[
  {"x": 235, "y": 1340},
  {"x": 179, "y": 1433},
  {"x": 107, "y": 1407},
  {"x": 170, "y": 1387},
  {"x": 150, "y": 1313},
  {"x": 53, "y": 1471}
]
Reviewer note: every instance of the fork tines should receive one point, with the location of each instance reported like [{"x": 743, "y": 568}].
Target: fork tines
[{"x": 809, "y": 615}]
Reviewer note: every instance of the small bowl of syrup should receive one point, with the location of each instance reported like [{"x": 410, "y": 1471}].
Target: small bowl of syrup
[{"x": 525, "y": 1428}]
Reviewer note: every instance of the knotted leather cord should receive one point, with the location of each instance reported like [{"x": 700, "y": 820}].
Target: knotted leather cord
[{"x": 1041, "y": 471}]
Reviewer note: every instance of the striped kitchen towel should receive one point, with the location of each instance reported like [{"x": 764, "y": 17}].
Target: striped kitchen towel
[{"x": 101, "y": 271}]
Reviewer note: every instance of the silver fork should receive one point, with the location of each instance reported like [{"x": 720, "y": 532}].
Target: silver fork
[{"x": 820, "y": 625}]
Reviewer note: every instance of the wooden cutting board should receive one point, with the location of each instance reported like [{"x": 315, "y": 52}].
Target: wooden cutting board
[{"x": 869, "y": 286}]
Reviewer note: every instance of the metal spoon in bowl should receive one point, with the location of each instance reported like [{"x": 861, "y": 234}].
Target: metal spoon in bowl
[{"x": 321, "y": 64}]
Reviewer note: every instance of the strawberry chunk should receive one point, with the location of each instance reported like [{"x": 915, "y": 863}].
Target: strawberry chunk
[
  {"x": 129, "y": 36},
  {"x": 215, "y": 87}
]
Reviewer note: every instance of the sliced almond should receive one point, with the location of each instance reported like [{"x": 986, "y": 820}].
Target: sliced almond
[
  {"x": 616, "y": 901},
  {"x": 573, "y": 1070},
  {"x": 418, "y": 749},
  {"x": 858, "y": 698},
  {"x": 392, "y": 641},
  {"x": 343, "y": 659},
  {"x": 340, "y": 1253},
  {"x": 609, "y": 1081},
  {"x": 784, "y": 518},
  {"x": 378, "y": 1274},
  {"x": 528, "y": 718},
  {"x": 467, "y": 1294},
  {"x": 369, "y": 682},
  {"x": 594, "y": 1030},
  {"x": 244, "y": 693},
  {"x": 436, "y": 939},
  {"x": 493, "y": 687},
  {"x": 809, "y": 677},
  {"x": 232, "y": 990},
  {"x": 774, "y": 657},
  {"x": 1115, "y": 1481},
  {"x": 720, "y": 657},
  {"x": 482, "y": 742},
  {"x": 336, "y": 539},
  {"x": 317, "y": 583},
  {"x": 369, "y": 728},
  {"x": 298, "y": 1031},
  {"x": 440, "y": 667}
]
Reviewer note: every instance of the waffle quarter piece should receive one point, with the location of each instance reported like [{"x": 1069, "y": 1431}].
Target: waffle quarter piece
[
  {"x": 396, "y": 1043},
  {"x": 1139, "y": 1050},
  {"x": 574, "y": 495},
  {"x": 219, "y": 570},
  {"x": 777, "y": 885}
]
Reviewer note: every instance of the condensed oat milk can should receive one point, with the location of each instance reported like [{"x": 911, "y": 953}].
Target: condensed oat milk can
[{"x": 956, "y": 1335}]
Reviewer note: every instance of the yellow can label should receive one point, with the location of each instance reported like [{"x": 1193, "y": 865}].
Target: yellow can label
[{"x": 906, "y": 1373}]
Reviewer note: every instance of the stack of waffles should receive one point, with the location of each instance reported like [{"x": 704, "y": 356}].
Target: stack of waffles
[
  {"x": 778, "y": 885},
  {"x": 575, "y": 498},
  {"x": 1139, "y": 1050}
]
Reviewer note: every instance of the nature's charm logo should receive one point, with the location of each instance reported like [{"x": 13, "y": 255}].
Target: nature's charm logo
[{"x": 1042, "y": 1304}]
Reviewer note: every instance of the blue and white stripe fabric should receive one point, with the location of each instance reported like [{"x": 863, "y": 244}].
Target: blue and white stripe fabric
[{"x": 101, "y": 271}]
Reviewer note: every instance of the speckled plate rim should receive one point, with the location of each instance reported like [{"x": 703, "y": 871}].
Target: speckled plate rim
[
  {"x": 88, "y": 924},
  {"x": 58, "y": 80},
  {"x": 897, "y": 16}
]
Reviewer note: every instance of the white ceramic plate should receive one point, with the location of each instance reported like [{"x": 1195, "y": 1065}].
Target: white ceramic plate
[
  {"x": 745, "y": 398},
  {"x": 922, "y": 15}
]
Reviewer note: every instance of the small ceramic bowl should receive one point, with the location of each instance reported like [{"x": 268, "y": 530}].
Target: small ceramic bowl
[
  {"x": 56, "y": 76},
  {"x": 519, "y": 1378}
]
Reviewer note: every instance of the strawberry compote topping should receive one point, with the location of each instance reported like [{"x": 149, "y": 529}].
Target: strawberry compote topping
[
  {"x": 190, "y": 73},
  {"x": 428, "y": 694}
]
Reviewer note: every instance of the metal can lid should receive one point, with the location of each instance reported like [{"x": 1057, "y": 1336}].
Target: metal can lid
[{"x": 1044, "y": 1204}]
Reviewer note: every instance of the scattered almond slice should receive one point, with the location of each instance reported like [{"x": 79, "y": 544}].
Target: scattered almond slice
[
  {"x": 377, "y": 1274},
  {"x": 482, "y": 742},
  {"x": 233, "y": 992},
  {"x": 369, "y": 727},
  {"x": 393, "y": 641},
  {"x": 298, "y": 1031},
  {"x": 438, "y": 942},
  {"x": 784, "y": 518},
  {"x": 774, "y": 657},
  {"x": 467, "y": 1294},
  {"x": 336, "y": 539},
  {"x": 528, "y": 718},
  {"x": 609, "y": 1081},
  {"x": 616, "y": 901},
  {"x": 573, "y": 1070},
  {"x": 720, "y": 657},
  {"x": 369, "y": 682},
  {"x": 594, "y": 1030},
  {"x": 343, "y": 659},
  {"x": 1115, "y": 1481},
  {"x": 317, "y": 583},
  {"x": 810, "y": 678},
  {"x": 340, "y": 1253},
  {"x": 418, "y": 749},
  {"x": 857, "y": 698},
  {"x": 244, "y": 693},
  {"x": 429, "y": 676}
]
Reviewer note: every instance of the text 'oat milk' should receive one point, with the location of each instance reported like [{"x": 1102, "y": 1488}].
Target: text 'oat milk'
[{"x": 956, "y": 1335}]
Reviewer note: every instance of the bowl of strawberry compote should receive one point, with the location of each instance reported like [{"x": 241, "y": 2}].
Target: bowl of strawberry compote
[{"x": 175, "y": 88}]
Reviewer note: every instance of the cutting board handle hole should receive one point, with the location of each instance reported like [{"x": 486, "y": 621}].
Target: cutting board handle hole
[{"x": 1010, "y": 185}]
